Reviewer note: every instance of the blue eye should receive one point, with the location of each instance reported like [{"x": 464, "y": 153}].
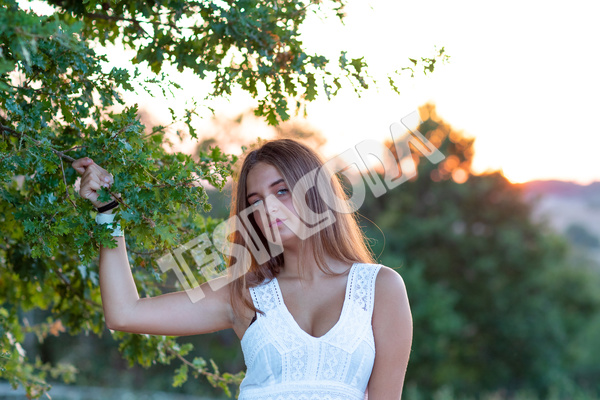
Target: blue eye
[{"x": 280, "y": 192}]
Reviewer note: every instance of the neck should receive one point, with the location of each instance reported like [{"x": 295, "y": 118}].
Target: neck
[
  {"x": 297, "y": 267},
  {"x": 302, "y": 265}
]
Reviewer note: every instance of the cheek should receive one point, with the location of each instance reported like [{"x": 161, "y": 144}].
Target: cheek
[{"x": 289, "y": 203}]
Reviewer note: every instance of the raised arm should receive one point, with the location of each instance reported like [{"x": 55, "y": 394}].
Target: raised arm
[
  {"x": 392, "y": 328},
  {"x": 171, "y": 314}
]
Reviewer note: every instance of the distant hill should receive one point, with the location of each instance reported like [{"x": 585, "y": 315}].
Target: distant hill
[
  {"x": 562, "y": 188},
  {"x": 570, "y": 208}
]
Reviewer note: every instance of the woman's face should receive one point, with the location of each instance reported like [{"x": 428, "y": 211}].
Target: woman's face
[{"x": 266, "y": 188}]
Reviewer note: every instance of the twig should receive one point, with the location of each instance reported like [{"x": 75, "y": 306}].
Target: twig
[
  {"x": 66, "y": 186},
  {"x": 123, "y": 129},
  {"x": 37, "y": 142},
  {"x": 25, "y": 87},
  {"x": 150, "y": 175},
  {"x": 118, "y": 199},
  {"x": 202, "y": 371},
  {"x": 135, "y": 21},
  {"x": 59, "y": 153},
  {"x": 161, "y": 129},
  {"x": 149, "y": 221},
  {"x": 71, "y": 159},
  {"x": 31, "y": 78},
  {"x": 114, "y": 135},
  {"x": 75, "y": 148}
]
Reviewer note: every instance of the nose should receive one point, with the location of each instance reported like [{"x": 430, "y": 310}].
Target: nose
[
  {"x": 270, "y": 206},
  {"x": 272, "y": 210}
]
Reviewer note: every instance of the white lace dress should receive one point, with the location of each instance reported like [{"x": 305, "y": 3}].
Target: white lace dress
[{"x": 286, "y": 363}]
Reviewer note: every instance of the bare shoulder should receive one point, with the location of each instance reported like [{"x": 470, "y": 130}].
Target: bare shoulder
[
  {"x": 392, "y": 330},
  {"x": 389, "y": 285},
  {"x": 391, "y": 300}
]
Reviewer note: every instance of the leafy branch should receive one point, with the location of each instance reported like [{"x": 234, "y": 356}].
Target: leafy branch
[
  {"x": 137, "y": 22},
  {"x": 64, "y": 156},
  {"x": 36, "y": 142},
  {"x": 198, "y": 367},
  {"x": 427, "y": 63}
]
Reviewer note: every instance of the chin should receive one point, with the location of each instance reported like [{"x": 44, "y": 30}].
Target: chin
[{"x": 288, "y": 237}]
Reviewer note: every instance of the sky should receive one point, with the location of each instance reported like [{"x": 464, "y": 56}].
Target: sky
[{"x": 522, "y": 80}]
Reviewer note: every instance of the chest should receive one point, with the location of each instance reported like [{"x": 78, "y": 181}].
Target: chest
[{"x": 315, "y": 308}]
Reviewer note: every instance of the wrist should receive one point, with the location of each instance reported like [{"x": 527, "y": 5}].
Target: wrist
[{"x": 105, "y": 207}]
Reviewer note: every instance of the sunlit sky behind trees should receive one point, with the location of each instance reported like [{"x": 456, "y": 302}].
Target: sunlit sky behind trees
[{"x": 522, "y": 79}]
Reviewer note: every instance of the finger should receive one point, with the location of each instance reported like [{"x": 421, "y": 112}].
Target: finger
[
  {"x": 100, "y": 173},
  {"x": 88, "y": 193},
  {"x": 94, "y": 172},
  {"x": 89, "y": 188},
  {"x": 91, "y": 195},
  {"x": 95, "y": 184},
  {"x": 108, "y": 179},
  {"x": 81, "y": 164},
  {"x": 102, "y": 178}
]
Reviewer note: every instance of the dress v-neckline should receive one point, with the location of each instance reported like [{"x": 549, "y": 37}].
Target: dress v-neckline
[{"x": 293, "y": 320}]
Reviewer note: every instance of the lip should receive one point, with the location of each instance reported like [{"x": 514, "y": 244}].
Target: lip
[{"x": 277, "y": 222}]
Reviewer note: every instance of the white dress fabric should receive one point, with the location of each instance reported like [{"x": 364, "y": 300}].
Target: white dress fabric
[{"x": 285, "y": 363}]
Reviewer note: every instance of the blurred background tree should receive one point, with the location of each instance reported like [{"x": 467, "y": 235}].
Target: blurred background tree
[{"x": 498, "y": 304}]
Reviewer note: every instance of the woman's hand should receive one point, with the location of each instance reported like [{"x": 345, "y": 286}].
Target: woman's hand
[{"x": 93, "y": 178}]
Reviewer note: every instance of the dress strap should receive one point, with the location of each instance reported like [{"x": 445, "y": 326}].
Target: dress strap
[
  {"x": 265, "y": 296},
  {"x": 362, "y": 285}
]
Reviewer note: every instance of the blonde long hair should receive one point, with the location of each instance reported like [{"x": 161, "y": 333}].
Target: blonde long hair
[{"x": 342, "y": 240}]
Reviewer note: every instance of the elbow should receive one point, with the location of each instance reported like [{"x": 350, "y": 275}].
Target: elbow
[
  {"x": 117, "y": 321},
  {"x": 115, "y": 324},
  {"x": 120, "y": 316}
]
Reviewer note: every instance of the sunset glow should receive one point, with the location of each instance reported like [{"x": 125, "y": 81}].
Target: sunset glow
[{"x": 521, "y": 83}]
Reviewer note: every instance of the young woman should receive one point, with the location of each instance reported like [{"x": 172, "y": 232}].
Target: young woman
[{"x": 317, "y": 319}]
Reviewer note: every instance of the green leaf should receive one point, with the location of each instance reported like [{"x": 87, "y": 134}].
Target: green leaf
[{"x": 181, "y": 375}]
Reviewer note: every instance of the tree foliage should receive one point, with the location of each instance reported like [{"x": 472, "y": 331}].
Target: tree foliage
[
  {"x": 60, "y": 102},
  {"x": 250, "y": 44},
  {"x": 55, "y": 96}
]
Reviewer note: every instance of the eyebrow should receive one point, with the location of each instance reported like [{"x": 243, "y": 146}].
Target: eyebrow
[{"x": 277, "y": 182}]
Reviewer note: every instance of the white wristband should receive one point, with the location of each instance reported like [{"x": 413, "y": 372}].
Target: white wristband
[
  {"x": 105, "y": 218},
  {"x": 109, "y": 219}
]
